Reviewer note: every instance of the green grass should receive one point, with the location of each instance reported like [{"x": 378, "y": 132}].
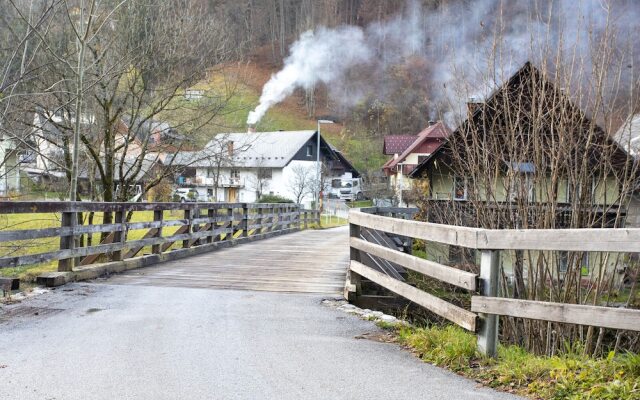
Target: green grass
[
  {"x": 329, "y": 222},
  {"x": 569, "y": 376},
  {"x": 360, "y": 204},
  {"x": 35, "y": 221}
]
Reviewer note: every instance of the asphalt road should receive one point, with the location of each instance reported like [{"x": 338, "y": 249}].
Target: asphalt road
[{"x": 100, "y": 341}]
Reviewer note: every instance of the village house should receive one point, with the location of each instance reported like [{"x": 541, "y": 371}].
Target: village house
[
  {"x": 242, "y": 167},
  {"x": 502, "y": 168},
  {"x": 44, "y": 161},
  {"x": 408, "y": 152}
]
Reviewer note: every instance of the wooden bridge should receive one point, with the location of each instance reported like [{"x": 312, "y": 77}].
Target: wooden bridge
[{"x": 96, "y": 239}]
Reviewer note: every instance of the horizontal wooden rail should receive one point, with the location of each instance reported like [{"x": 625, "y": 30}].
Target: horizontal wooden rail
[
  {"x": 605, "y": 317},
  {"x": 202, "y": 223},
  {"x": 453, "y": 276},
  {"x": 490, "y": 242},
  {"x": 605, "y": 239},
  {"x": 460, "y": 316}
]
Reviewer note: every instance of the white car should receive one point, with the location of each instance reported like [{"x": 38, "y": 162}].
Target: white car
[{"x": 185, "y": 194}]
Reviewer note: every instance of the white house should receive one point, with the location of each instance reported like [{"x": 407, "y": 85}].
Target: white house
[{"x": 241, "y": 167}]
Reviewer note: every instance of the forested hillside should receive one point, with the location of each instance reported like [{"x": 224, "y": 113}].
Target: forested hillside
[{"x": 377, "y": 67}]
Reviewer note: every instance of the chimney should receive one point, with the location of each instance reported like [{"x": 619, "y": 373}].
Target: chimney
[
  {"x": 473, "y": 104},
  {"x": 251, "y": 129}
]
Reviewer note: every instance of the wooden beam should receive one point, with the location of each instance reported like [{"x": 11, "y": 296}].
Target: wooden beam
[
  {"x": 453, "y": 276},
  {"x": 584, "y": 239},
  {"x": 455, "y": 314},
  {"x": 605, "y": 317},
  {"x": 453, "y": 235}
]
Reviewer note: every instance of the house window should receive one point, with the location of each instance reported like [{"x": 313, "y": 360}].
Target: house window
[
  {"x": 421, "y": 159},
  {"x": 235, "y": 174},
  {"x": 265, "y": 173},
  {"x": 565, "y": 259},
  {"x": 459, "y": 188},
  {"x": 309, "y": 150}
]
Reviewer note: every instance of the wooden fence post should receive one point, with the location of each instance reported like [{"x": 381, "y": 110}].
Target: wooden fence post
[
  {"x": 158, "y": 215},
  {"x": 121, "y": 235},
  {"x": 245, "y": 220},
  {"x": 305, "y": 219},
  {"x": 353, "y": 285},
  {"x": 488, "y": 332},
  {"x": 229, "y": 225},
  {"x": 67, "y": 241},
  {"x": 213, "y": 225},
  {"x": 259, "y": 222},
  {"x": 188, "y": 216}
]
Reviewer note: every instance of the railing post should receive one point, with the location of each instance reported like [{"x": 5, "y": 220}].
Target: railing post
[
  {"x": 259, "y": 221},
  {"x": 67, "y": 242},
  {"x": 211, "y": 213},
  {"x": 187, "y": 216},
  {"x": 488, "y": 332},
  {"x": 121, "y": 235},
  {"x": 305, "y": 219},
  {"x": 229, "y": 225},
  {"x": 353, "y": 285},
  {"x": 245, "y": 220},
  {"x": 158, "y": 215}
]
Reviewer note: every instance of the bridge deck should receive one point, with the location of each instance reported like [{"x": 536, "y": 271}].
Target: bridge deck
[{"x": 311, "y": 261}]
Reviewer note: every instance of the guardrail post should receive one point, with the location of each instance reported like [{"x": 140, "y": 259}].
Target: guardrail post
[
  {"x": 187, "y": 216},
  {"x": 212, "y": 214},
  {"x": 245, "y": 220},
  {"x": 488, "y": 332},
  {"x": 158, "y": 215},
  {"x": 120, "y": 236},
  {"x": 259, "y": 222},
  {"x": 229, "y": 225},
  {"x": 67, "y": 242},
  {"x": 353, "y": 284}
]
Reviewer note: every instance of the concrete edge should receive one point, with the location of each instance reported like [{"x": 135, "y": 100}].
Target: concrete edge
[{"x": 53, "y": 279}]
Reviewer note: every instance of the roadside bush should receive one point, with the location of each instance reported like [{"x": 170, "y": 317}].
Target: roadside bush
[{"x": 271, "y": 198}]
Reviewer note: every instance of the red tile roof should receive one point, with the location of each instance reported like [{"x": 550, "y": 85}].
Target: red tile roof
[
  {"x": 396, "y": 144},
  {"x": 426, "y": 142}
]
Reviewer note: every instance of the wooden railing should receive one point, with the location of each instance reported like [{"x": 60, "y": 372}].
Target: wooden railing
[
  {"x": 192, "y": 225},
  {"x": 485, "y": 303}
]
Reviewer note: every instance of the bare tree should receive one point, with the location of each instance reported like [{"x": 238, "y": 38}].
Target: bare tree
[{"x": 302, "y": 182}]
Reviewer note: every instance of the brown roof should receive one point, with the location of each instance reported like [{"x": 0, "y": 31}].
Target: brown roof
[
  {"x": 427, "y": 141},
  {"x": 396, "y": 144}
]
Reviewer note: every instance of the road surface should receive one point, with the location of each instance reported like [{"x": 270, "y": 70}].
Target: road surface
[{"x": 140, "y": 336}]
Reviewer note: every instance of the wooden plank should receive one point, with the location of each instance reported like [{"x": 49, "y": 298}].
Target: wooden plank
[
  {"x": 93, "y": 257},
  {"x": 8, "y": 284},
  {"x": 455, "y": 314},
  {"x": 609, "y": 240},
  {"x": 605, "y": 317},
  {"x": 454, "y": 235},
  {"x": 453, "y": 276}
]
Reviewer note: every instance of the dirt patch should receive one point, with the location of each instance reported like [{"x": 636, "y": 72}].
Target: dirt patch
[{"x": 382, "y": 337}]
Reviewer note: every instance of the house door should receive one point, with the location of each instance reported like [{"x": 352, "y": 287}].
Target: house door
[{"x": 232, "y": 195}]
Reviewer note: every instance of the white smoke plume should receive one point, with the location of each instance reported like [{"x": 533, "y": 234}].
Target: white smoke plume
[
  {"x": 320, "y": 56},
  {"x": 464, "y": 47}
]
